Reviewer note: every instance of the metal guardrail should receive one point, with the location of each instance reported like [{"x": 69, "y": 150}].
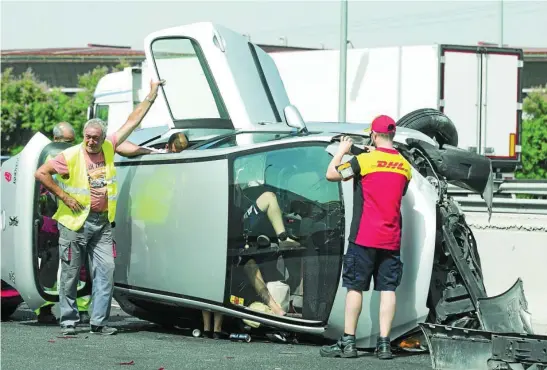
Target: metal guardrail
[
  {"x": 531, "y": 187},
  {"x": 504, "y": 200},
  {"x": 504, "y": 205}
]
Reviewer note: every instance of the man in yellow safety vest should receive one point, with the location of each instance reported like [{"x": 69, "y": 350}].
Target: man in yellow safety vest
[
  {"x": 62, "y": 132},
  {"x": 87, "y": 189}
]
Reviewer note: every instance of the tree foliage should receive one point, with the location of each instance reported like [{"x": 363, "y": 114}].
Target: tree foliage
[
  {"x": 30, "y": 106},
  {"x": 534, "y": 137}
]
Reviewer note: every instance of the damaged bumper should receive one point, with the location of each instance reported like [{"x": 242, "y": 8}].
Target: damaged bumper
[{"x": 505, "y": 340}]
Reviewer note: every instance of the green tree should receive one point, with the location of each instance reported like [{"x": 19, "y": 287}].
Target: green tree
[
  {"x": 534, "y": 137},
  {"x": 29, "y": 106}
]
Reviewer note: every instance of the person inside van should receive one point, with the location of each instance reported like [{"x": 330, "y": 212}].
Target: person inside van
[
  {"x": 177, "y": 143},
  {"x": 254, "y": 205}
]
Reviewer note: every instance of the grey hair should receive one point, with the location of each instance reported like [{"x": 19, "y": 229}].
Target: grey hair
[
  {"x": 97, "y": 122},
  {"x": 59, "y": 128}
]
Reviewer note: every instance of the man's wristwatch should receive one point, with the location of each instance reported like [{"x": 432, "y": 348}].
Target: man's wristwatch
[{"x": 149, "y": 100}]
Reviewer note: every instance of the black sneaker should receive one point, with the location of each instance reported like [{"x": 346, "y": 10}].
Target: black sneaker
[
  {"x": 220, "y": 335},
  {"x": 84, "y": 317},
  {"x": 104, "y": 330},
  {"x": 68, "y": 330},
  {"x": 345, "y": 347},
  {"x": 46, "y": 316},
  {"x": 383, "y": 348}
]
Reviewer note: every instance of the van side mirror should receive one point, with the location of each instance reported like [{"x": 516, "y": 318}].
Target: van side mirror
[{"x": 294, "y": 119}]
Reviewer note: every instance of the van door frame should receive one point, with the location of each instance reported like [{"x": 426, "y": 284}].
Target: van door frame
[{"x": 292, "y": 321}]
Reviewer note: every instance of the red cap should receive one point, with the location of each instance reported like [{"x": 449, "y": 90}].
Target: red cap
[{"x": 383, "y": 125}]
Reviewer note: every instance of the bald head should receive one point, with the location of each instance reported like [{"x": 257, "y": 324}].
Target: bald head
[{"x": 63, "y": 132}]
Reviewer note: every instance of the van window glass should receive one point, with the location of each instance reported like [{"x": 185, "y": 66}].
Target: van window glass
[
  {"x": 285, "y": 190},
  {"x": 101, "y": 111},
  {"x": 189, "y": 88}
]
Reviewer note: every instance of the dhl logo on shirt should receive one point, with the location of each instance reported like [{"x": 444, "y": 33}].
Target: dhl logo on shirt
[
  {"x": 394, "y": 165},
  {"x": 379, "y": 161}
]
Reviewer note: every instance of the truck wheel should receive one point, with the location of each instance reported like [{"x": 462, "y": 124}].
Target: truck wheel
[{"x": 432, "y": 123}]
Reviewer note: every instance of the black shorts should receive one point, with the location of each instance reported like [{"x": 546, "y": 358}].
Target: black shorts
[
  {"x": 362, "y": 263},
  {"x": 252, "y": 216}
]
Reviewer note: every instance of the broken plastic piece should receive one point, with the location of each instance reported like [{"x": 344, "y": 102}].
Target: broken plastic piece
[{"x": 506, "y": 312}]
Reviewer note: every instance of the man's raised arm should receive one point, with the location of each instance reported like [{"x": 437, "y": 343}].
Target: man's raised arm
[{"x": 138, "y": 114}]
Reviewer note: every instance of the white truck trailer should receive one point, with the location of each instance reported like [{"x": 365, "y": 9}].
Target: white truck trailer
[{"x": 477, "y": 87}]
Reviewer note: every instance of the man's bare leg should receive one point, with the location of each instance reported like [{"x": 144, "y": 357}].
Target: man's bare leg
[
  {"x": 354, "y": 303},
  {"x": 255, "y": 276},
  {"x": 387, "y": 312},
  {"x": 218, "y": 322},
  {"x": 206, "y": 320},
  {"x": 268, "y": 204}
]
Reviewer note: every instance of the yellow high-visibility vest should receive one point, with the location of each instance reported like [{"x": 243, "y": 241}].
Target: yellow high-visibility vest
[{"x": 77, "y": 186}]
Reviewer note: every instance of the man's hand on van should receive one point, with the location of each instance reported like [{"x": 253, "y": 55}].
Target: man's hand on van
[
  {"x": 345, "y": 145},
  {"x": 154, "y": 86},
  {"x": 138, "y": 114},
  {"x": 72, "y": 203}
]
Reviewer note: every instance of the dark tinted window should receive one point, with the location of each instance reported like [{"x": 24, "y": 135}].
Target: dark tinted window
[{"x": 289, "y": 188}]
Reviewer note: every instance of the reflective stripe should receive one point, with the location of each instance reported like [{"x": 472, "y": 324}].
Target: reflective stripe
[
  {"x": 72, "y": 190},
  {"x": 111, "y": 180},
  {"x": 114, "y": 197}
]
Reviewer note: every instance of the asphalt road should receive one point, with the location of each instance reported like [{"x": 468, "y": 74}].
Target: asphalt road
[{"x": 143, "y": 345}]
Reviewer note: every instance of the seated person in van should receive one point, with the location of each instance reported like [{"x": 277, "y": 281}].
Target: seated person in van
[{"x": 252, "y": 213}]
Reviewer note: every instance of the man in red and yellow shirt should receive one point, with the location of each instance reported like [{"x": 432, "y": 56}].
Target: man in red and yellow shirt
[{"x": 381, "y": 177}]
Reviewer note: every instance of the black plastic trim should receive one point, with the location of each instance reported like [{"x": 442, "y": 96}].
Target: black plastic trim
[
  {"x": 264, "y": 82},
  {"x": 155, "y": 162}
]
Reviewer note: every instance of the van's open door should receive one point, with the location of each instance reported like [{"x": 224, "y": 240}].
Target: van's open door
[
  {"x": 22, "y": 223},
  {"x": 215, "y": 78}
]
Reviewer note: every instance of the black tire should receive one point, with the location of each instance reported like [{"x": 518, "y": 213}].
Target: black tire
[
  {"x": 8, "y": 310},
  {"x": 432, "y": 123}
]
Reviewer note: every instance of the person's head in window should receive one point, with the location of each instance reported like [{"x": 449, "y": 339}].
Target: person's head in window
[{"x": 177, "y": 143}]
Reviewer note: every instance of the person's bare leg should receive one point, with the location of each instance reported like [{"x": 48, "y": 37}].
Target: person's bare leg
[
  {"x": 387, "y": 312},
  {"x": 268, "y": 204},
  {"x": 218, "y": 322},
  {"x": 354, "y": 303},
  {"x": 206, "y": 320},
  {"x": 255, "y": 276}
]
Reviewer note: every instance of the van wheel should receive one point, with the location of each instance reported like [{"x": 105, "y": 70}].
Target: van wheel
[{"x": 432, "y": 123}]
